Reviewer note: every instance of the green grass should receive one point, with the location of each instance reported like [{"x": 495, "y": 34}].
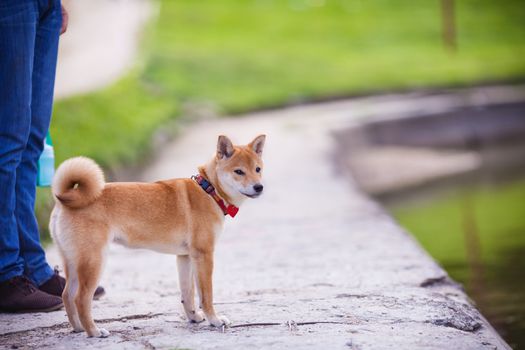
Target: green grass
[
  {"x": 113, "y": 126},
  {"x": 242, "y": 55},
  {"x": 239, "y": 55}
]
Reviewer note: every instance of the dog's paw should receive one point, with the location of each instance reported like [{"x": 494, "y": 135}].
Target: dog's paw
[
  {"x": 225, "y": 320},
  {"x": 196, "y": 317},
  {"x": 99, "y": 333},
  {"x": 219, "y": 321}
]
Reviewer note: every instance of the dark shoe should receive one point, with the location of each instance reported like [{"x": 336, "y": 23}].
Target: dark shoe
[
  {"x": 55, "y": 286},
  {"x": 20, "y": 295}
]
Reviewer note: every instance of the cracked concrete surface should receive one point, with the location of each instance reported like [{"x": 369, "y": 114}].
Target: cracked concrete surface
[{"x": 314, "y": 263}]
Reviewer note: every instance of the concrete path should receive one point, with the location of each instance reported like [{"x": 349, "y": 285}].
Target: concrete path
[
  {"x": 100, "y": 44},
  {"x": 313, "y": 261}
]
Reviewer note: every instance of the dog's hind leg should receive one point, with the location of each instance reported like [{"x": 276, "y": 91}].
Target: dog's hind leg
[
  {"x": 68, "y": 296},
  {"x": 187, "y": 289},
  {"x": 71, "y": 286},
  {"x": 89, "y": 270},
  {"x": 203, "y": 263}
]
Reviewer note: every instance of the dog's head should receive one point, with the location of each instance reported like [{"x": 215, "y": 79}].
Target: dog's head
[{"x": 239, "y": 168}]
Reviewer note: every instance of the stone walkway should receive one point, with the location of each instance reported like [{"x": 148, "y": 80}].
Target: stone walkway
[
  {"x": 313, "y": 261},
  {"x": 100, "y": 44}
]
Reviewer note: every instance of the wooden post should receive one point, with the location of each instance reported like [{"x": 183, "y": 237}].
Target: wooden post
[{"x": 448, "y": 22}]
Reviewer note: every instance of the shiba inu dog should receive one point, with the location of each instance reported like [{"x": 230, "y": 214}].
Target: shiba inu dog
[{"x": 178, "y": 216}]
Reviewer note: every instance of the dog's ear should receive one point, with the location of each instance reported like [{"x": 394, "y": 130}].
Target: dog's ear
[
  {"x": 224, "y": 147},
  {"x": 257, "y": 144}
]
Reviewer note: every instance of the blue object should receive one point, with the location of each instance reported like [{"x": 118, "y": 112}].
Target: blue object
[
  {"x": 29, "y": 31},
  {"x": 46, "y": 164}
]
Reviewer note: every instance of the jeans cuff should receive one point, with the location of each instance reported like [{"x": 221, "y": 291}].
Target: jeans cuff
[{"x": 41, "y": 276}]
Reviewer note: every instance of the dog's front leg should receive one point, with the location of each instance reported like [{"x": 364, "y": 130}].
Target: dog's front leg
[
  {"x": 203, "y": 263},
  {"x": 187, "y": 289}
]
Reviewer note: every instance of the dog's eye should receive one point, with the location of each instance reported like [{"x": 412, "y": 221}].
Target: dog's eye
[
  {"x": 239, "y": 172},
  {"x": 258, "y": 169}
]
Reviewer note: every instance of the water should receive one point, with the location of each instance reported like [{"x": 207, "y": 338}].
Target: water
[{"x": 477, "y": 233}]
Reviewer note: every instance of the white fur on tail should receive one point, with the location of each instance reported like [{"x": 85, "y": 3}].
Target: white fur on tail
[{"x": 78, "y": 182}]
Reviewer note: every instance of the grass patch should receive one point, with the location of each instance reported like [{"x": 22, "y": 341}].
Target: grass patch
[
  {"x": 242, "y": 55},
  {"x": 239, "y": 55},
  {"x": 114, "y": 125}
]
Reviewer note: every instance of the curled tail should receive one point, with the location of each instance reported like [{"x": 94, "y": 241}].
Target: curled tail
[{"x": 78, "y": 182}]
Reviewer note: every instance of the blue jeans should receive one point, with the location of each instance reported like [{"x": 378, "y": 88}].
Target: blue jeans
[{"x": 29, "y": 31}]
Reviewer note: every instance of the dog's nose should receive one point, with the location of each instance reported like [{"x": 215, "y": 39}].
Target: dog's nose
[{"x": 258, "y": 188}]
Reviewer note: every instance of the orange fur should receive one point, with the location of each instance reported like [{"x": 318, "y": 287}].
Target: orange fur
[
  {"x": 173, "y": 216},
  {"x": 78, "y": 182}
]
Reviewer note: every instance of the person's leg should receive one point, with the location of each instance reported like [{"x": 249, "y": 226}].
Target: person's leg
[
  {"x": 18, "y": 23},
  {"x": 43, "y": 81},
  {"x": 17, "y": 41}
]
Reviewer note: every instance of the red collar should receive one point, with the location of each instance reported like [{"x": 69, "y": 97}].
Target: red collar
[{"x": 209, "y": 189}]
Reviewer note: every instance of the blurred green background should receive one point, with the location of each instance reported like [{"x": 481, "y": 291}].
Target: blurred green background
[{"x": 240, "y": 55}]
